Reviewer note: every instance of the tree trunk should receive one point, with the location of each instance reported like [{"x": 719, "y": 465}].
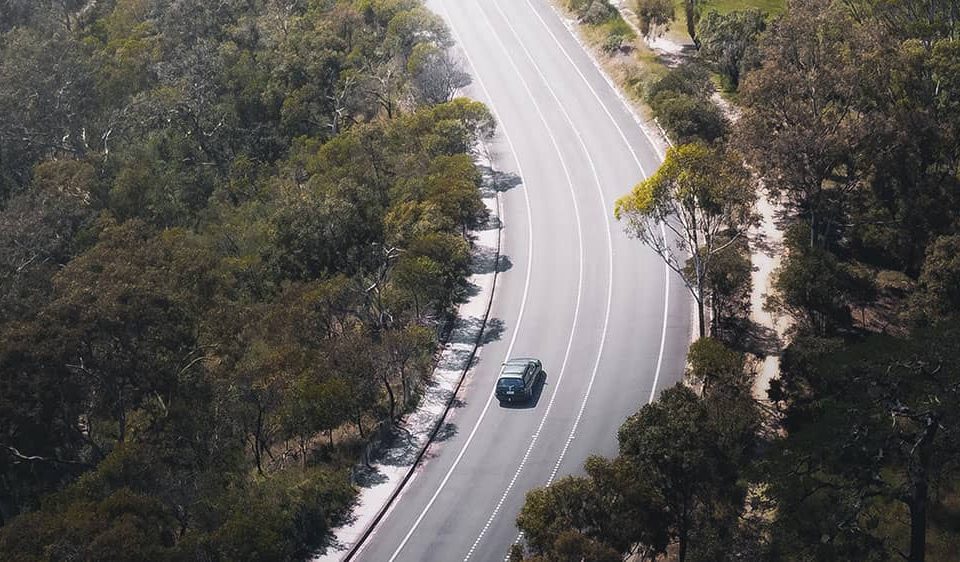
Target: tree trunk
[
  {"x": 393, "y": 400},
  {"x": 918, "y": 521},
  {"x": 303, "y": 452},
  {"x": 682, "y": 545},
  {"x": 121, "y": 418},
  {"x": 404, "y": 389},
  {"x": 701, "y": 318},
  {"x": 257, "y": 451},
  {"x": 359, "y": 421},
  {"x": 919, "y": 488},
  {"x": 690, "y": 11}
]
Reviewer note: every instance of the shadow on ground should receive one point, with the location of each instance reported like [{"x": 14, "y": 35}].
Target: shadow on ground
[
  {"x": 486, "y": 260},
  {"x": 468, "y": 328},
  {"x": 750, "y": 337},
  {"x": 497, "y": 181}
]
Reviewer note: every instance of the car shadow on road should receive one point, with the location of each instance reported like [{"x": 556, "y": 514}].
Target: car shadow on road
[{"x": 532, "y": 403}]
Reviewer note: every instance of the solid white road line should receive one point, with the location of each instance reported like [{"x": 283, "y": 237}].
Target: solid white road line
[
  {"x": 513, "y": 339},
  {"x": 606, "y": 218},
  {"x": 666, "y": 297},
  {"x": 666, "y": 269},
  {"x": 566, "y": 355}
]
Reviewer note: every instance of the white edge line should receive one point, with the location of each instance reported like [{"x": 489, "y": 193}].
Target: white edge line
[
  {"x": 666, "y": 307},
  {"x": 666, "y": 298},
  {"x": 523, "y": 302},
  {"x": 606, "y": 319}
]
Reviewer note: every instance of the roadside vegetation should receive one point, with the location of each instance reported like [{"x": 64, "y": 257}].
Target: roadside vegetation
[
  {"x": 849, "y": 117},
  {"x": 230, "y": 236}
]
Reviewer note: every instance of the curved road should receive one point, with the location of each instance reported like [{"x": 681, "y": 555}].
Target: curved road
[{"x": 601, "y": 312}]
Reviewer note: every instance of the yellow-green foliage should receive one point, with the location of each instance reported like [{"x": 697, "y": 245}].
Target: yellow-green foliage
[{"x": 772, "y": 7}]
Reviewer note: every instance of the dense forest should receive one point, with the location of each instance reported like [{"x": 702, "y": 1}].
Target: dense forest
[
  {"x": 230, "y": 235},
  {"x": 849, "y": 118}
]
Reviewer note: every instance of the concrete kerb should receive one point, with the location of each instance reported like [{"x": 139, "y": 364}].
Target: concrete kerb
[{"x": 364, "y": 523}]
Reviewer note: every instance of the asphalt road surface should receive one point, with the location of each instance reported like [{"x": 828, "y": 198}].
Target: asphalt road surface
[{"x": 609, "y": 323}]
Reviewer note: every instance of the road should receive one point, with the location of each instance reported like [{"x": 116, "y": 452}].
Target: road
[{"x": 609, "y": 323}]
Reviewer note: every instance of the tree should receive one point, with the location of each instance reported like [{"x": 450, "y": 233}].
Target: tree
[
  {"x": 681, "y": 103},
  {"x": 704, "y": 198},
  {"x": 689, "y": 119},
  {"x": 799, "y": 124},
  {"x": 405, "y": 350},
  {"x": 711, "y": 363},
  {"x": 218, "y": 222},
  {"x": 811, "y": 286},
  {"x": 677, "y": 478},
  {"x": 671, "y": 446},
  {"x": 728, "y": 41},
  {"x": 869, "y": 426},
  {"x": 940, "y": 279},
  {"x": 37, "y": 231},
  {"x": 730, "y": 285},
  {"x": 603, "y": 515},
  {"x": 655, "y": 16},
  {"x": 46, "y": 102},
  {"x": 691, "y": 11},
  {"x": 315, "y": 405},
  {"x": 436, "y": 75},
  {"x": 127, "y": 326}
]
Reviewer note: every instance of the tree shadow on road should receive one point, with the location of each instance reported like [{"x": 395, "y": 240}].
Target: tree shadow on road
[
  {"x": 486, "y": 260},
  {"x": 496, "y": 181},
  {"x": 468, "y": 329}
]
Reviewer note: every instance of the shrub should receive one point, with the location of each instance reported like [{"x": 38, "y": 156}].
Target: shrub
[
  {"x": 681, "y": 102},
  {"x": 688, "y": 118},
  {"x": 613, "y": 43}
]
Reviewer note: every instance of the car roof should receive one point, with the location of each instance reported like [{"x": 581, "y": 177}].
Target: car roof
[
  {"x": 523, "y": 360},
  {"x": 514, "y": 368}
]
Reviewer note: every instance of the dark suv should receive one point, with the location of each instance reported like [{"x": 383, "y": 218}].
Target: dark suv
[{"x": 517, "y": 379}]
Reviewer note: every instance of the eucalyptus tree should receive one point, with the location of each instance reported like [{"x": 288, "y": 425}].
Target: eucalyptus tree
[{"x": 696, "y": 206}]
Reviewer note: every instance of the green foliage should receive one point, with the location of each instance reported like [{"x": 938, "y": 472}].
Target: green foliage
[
  {"x": 675, "y": 481},
  {"x": 47, "y": 102},
  {"x": 704, "y": 198},
  {"x": 681, "y": 102},
  {"x": 710, "y": 363},
  {"x": 849, "y": 124},
  {"x": 810, "y": 287},
  {"x": 940, "y": 279},
  {"x": 729, "y": 42},
  {"x": 730, "y": 284},
  {"x": 228, "y": 236},
  {"x": 655, "y": 16},
  {"x": 873, "y": 421}
]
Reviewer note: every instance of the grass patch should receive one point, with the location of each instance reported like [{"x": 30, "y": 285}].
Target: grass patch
[
  {"x": 678, "y": 29},
  {"x": 634, "y": 67},
  {"x": 771, "y": 7}
]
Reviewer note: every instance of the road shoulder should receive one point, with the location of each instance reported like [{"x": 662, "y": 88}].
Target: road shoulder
[{"x": 393, "y": 465}]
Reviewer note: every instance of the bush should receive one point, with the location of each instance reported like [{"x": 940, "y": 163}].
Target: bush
[
  {"x": 690, "y": 79},
  {"x": 593, "y": 12},
  {"x": 688, "y": 118},
  {"x": 599, "y": 12},
  {"x": 681, "y": 102},
  {"x": 613, "y": 43}
]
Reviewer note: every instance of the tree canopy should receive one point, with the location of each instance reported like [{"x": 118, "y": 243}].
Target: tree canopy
[{"x": 230, "y": 234}]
